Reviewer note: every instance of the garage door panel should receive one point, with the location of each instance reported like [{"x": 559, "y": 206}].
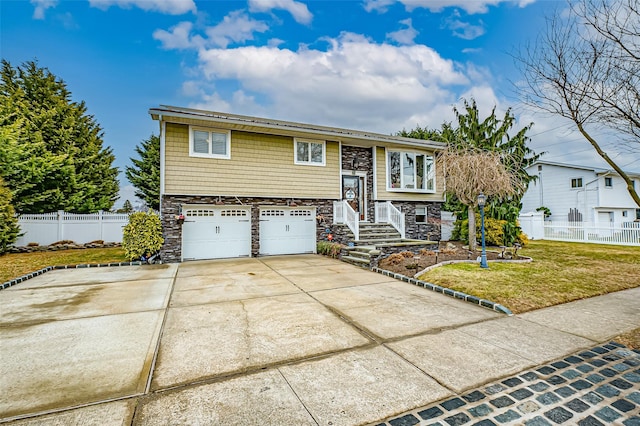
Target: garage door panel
[
  {"x": 214, "y": 233},
  {"x": 287, "y": 231}
]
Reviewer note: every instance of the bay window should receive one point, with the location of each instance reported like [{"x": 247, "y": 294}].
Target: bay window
[{"x": 410, "y": 172}]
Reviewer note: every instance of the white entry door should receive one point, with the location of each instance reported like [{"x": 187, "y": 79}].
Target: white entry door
[
  {"x": 216, "y": 232},
  {"x": 287, "y": 230}
]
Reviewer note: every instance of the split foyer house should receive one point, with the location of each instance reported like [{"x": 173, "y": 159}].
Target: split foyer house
[{"x": 234, "y": 186}]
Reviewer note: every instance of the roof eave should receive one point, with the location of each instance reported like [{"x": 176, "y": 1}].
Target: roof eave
[{"x": 259, "y": 123}]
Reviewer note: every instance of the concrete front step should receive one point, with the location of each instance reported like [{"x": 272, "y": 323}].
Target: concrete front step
[
  {"x": 376, "y": 242},
  {"x": 357, "y": 261},
  {"x": 407, "y": 243},
  {"x": 360, "y": 255},
  {"x": 379, "y": 236}
]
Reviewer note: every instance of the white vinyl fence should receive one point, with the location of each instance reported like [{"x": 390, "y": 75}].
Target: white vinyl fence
[
  {"x": 48, "y": 228},
  {"x": 447, "y": 219},
  {"x": 627, "y": 233}
]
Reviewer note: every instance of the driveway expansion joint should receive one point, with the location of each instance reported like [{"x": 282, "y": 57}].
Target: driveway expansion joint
[
  {"x": 446, "y": 291},
  {"x": 598, "y": 386}
]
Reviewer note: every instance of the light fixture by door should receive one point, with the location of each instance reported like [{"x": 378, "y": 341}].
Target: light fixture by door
[{"x": 355, "y": 163}]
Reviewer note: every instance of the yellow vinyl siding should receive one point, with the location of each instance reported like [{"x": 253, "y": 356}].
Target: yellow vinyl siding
[
  {"x": 381, "y": 179},
  {"x": 261, "y": 165}
]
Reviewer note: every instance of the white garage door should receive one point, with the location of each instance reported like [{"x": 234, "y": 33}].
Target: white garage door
[
  {"x": 216, "y": 232},
  {"x": 287, "y": 230}
]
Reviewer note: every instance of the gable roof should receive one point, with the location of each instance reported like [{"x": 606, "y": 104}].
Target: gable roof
[
  {"x": 289, "y": 128},
  {"x": 596, "y": 170}
]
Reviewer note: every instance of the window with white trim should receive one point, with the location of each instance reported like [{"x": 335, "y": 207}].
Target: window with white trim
[
  {"x": 576, "y": 183},
  {"x": 309, "y": 152},
  {"x": 410, "y": 172},
  {"x": 421, "y": 214},
  {"x": 608, "y": 182},
  {"x": 210, "y": 143}
]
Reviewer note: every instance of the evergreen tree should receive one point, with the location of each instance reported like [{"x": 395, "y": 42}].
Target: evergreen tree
[
  {"x": 144, "y": 175},
  {"x": 471, "y": 133},
  {"x": 9, "y": 228},
  {"x": 126, "y": 207},
  {"x": 52, "y": 156}
]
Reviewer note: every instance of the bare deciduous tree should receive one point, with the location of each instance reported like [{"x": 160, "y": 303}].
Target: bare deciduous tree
[
  {"x": 586, "y": 68},
  {"x": 468, "y": 172}
]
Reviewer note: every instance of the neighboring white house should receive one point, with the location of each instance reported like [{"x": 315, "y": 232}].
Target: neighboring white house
[{"x": 578, "y": 193}]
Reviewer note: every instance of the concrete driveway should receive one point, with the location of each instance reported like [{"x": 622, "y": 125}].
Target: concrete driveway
[{"x": 265, "y": 341}]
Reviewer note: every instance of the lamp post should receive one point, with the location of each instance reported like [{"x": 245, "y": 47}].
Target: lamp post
[{"x": 482, "y": 199}]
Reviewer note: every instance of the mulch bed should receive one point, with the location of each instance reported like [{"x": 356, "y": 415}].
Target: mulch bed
[{"x": 447, "y": 250}]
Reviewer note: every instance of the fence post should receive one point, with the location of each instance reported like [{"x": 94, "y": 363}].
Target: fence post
[
  {"x": 60, "y": 225},
  {"x": 101, "y": 224}
]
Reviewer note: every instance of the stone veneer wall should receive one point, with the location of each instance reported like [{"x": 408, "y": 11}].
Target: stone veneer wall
[
  {"x": 365, "y": 164},
  {"x": 429, "y": 231},
  {"x": 421, "y": 231},
  {"x": 172, "y": 231}
]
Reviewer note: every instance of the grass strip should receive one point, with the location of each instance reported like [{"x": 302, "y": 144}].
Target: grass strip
[{"x": 560, "y": 272}]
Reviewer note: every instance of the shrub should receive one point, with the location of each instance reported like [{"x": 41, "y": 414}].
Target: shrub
[
  {"x": 9, "y": 228},
  {"x": 328, "y": 248},
  {"x": 497, "y": 232},
  {"x": 142, "y": 235},
  {"x": 407, "y": 254},
  {"x": 395, "y": 259},
  {"x": 425, "y": 252}
]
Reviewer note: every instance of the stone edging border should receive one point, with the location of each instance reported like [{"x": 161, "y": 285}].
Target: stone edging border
[
  {"x": 446, "y": 291},
  {"x": 28, "y": 276}
]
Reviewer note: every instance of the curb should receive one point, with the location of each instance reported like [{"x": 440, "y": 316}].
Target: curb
[
  {"x": 446, "y": 291},
  {"x": 28, "y": 276}
]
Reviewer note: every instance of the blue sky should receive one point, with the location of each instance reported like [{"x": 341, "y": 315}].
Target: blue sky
[{"x": 377, "y": 65}]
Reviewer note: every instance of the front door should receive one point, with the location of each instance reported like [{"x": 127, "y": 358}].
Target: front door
[{"x": 353, "y": 191}]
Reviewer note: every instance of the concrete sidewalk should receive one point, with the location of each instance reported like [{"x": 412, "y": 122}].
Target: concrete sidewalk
[{"x": 265, "y": 341}]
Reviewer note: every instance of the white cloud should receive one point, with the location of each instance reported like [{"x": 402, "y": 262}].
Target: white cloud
[
  {"x": 171, "y": 7},
  {"x": 405, "y": 35},
  {"x": 179, "y": 37},
  {"x": 470, "y": 6},
  {"x": 41, "y": 6},
  {"x": 377, "y": 5},
  {"x": 236, "y": 27},
  {"x": 354, "y": 83},
  {"x": 464, "y": 30},
  {"x": 299, "y": 11}
]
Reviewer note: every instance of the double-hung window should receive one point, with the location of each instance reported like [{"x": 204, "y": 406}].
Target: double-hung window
[
  {"x": 576, "y": 183},
  {"x": 210, "y": 143},
  {"x": 309, "y": 152},
  {"x": 410, "y": 172},
  {"x": 421, "y": 214}
]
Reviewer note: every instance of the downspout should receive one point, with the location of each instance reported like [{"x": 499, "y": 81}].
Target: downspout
[
  {"x": 585, "y": 196},
  {"x": 163, "y": 129}
]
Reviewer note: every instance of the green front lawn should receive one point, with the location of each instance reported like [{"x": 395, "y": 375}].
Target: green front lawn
[
  {"x": 560, "y": 272},
  {"x": 13, "y": 265}
]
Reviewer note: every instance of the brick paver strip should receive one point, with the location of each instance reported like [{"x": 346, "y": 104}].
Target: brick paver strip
[{"x": 600, "y": 386}]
